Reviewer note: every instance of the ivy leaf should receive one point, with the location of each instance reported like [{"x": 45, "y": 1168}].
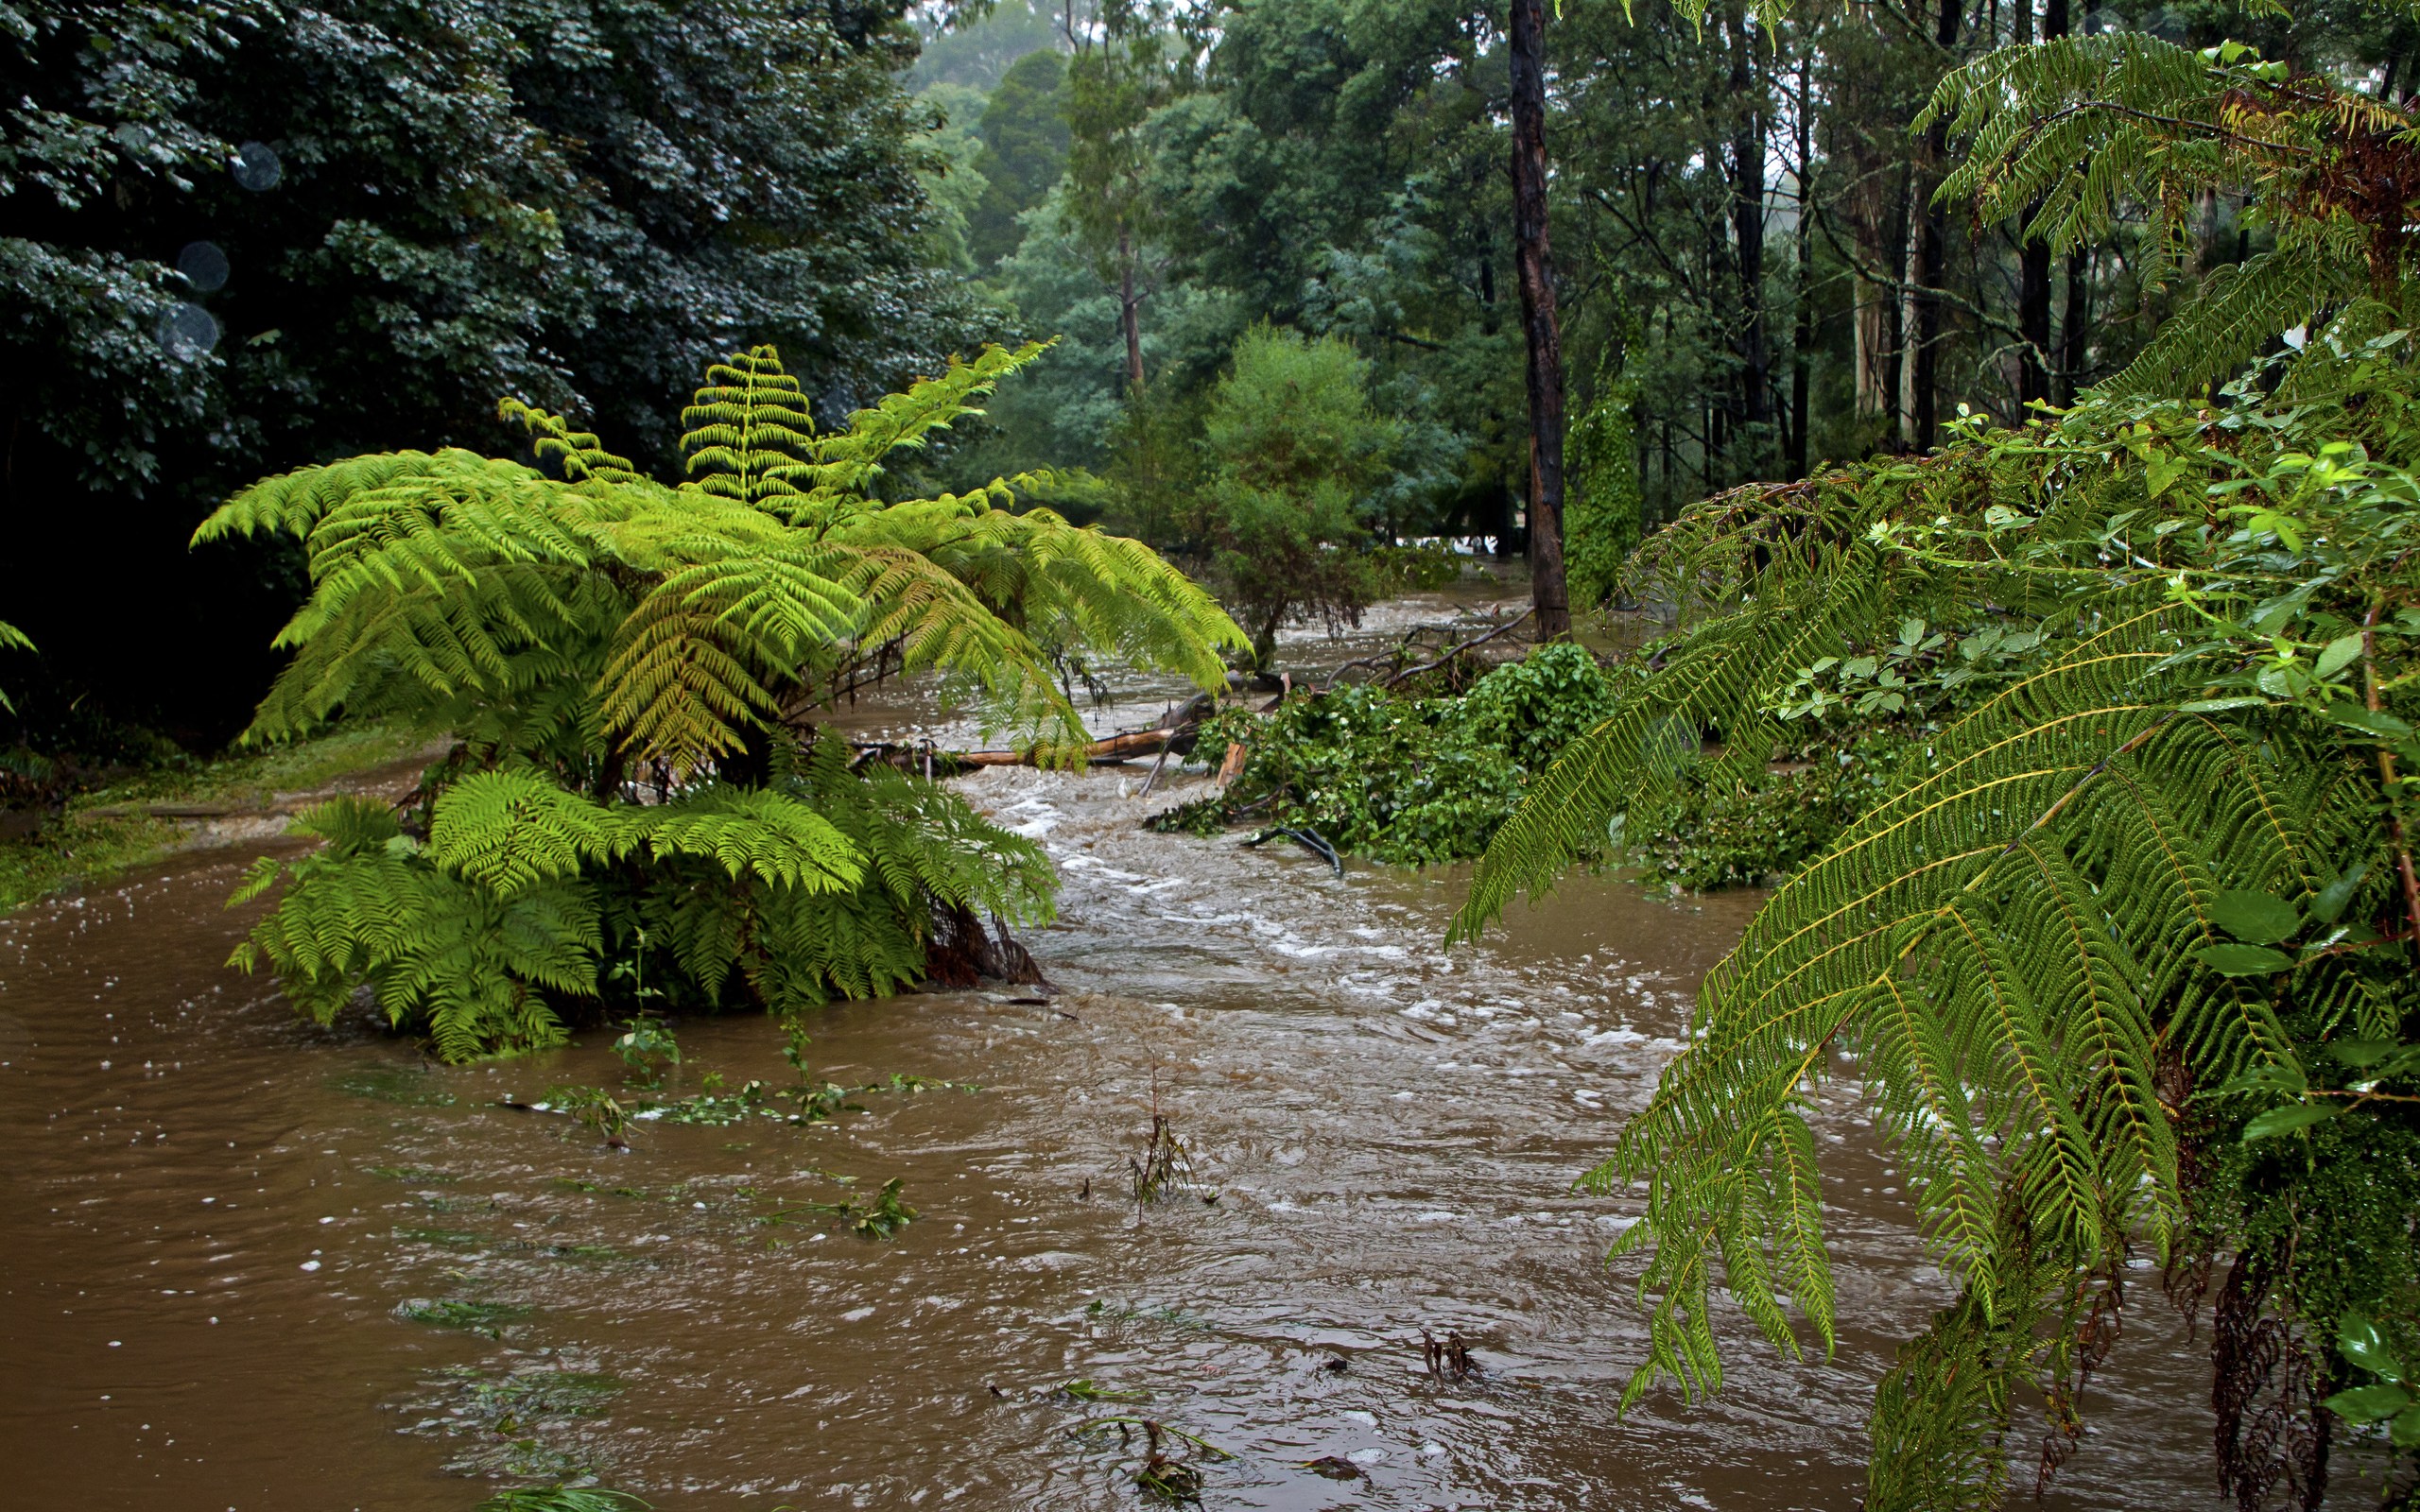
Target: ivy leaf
[
  {"x": 2339, "y": 654},
  {"x": 2406, "y": 1431},
  {"x": 2375, "y": 722},
  {"x": 2255, "y": 917},
  {"x": 2163, "y": 472},
  {"x": 2361, "y": 1341},
  {"x": 2330, "y": 905},
  {"x": 2367, "y": 1404},
  {"x": 2220, "y": 706},
  {"x": 2242, "y": 960},
  {"x": 2288, "y": 1118}
]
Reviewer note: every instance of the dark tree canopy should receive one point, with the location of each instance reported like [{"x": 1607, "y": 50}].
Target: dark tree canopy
[{"x": 389, "y": 214}]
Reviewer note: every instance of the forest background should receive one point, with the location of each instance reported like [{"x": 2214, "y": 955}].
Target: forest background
[{"x": 246, "y": 235}]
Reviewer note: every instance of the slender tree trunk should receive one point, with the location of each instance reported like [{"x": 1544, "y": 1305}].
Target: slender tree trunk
[
  {"x": 1926, "y": 341},
  {"x": 2033, "y": 262},
  {"x": 1911, "y": 318},
  {"x": 1748, "y": 231},
  {"x": 1547, "y": 592},
  {"x": 2072, "y": 338},
  {"x": 1130, "y": 312},
  {"x": 1802, "y": 342}
]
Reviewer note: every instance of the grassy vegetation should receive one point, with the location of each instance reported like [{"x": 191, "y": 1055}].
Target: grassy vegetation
[{"x": 77, "y": 849}]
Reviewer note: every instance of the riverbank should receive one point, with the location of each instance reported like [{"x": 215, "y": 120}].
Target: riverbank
[{"x": 140, "y": 817}]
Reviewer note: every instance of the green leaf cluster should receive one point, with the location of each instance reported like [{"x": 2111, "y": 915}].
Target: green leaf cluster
[
  {"x": 632, "y": 672},
  {"x": 1402, "y": 778}
]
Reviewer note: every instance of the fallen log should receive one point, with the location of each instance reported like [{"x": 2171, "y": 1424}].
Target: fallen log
[{"x": 1099, "y": 753}]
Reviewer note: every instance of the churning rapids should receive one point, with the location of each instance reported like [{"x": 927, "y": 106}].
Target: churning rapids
[{"x": 260, "y": 1266}]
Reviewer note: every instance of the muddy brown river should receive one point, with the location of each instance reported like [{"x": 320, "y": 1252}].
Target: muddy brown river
[{"x": 260, "y": 1266}]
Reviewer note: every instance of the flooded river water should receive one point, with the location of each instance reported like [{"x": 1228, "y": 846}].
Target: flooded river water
[{"x": 255, "y": 1265}]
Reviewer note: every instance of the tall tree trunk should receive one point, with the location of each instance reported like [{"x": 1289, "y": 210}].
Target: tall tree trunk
[
  {"x": 1130, "y": 312},
  {"x": 1748, "y": 231},
  {"x": 1547, "y": 593},
  {"x": 1927, "y": 340},
  {"x": 2033, "y": 262},
  {"x": 2072, "y": 338},
  {"x": 1911, "y": 315},
  {"x": 1802, "y": 342}
]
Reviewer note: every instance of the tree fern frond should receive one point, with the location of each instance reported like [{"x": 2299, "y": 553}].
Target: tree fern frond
[
  {"x": 767, "y": 833},
  {"x": 748, "y": 428},
  {"x": 2241, "y": 308},
  {"x": 579, "y": 452},
  {"x": 294, "y": 502},
  {"x": 509, "y": 831},
  {"x": 2019, "y": 939}
]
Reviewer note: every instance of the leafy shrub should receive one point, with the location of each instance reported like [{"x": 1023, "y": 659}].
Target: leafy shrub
[
  {"x": 1403, "y": 779},
  {"x": 1416, "y": 569},
  {"x": 1294, "y": 443}
]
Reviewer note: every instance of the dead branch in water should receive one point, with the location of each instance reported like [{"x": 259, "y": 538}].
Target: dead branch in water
[{"x": 1402, "y": 653}]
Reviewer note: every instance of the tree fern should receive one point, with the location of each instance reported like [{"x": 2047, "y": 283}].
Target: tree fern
[
  {"x": 2093, "y": 128},
  {"x": 631, "y": 672},
  {"x": 2035, "y": 947}
]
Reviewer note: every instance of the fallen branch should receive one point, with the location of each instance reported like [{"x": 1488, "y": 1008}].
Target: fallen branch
[
  {"x": 1397, "y": 656},
  {"x": 1310, "y": 840}
]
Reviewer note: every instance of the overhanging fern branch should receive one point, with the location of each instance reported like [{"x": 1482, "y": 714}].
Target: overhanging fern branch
[{"x": 2030, "y": 929}]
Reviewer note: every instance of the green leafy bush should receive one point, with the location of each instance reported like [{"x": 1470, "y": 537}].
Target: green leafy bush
[{"x": 1402, "y": 778}]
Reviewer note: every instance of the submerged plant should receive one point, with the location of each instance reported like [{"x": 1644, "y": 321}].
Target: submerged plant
[
  {"x": 647, "y": 1047},
  {"x": 562, "y": 1498},
  {"x": 632, "y": 672}
]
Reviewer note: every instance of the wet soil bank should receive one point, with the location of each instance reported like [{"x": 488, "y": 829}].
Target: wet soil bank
[{"x": 255, "y": 1265}]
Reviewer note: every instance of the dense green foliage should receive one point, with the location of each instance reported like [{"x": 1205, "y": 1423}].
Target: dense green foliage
[
  {"x": 1398, "y": 778},
  {"x": 1294, "y": 445},
  {"x": 1600, "y": 524},
  {"x": 1025, "y": 150},
  {"x": 633, "y": 671},
  {"x": 244, "y": 235}
]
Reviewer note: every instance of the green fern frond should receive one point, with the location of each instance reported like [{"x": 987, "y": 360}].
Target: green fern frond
[
  {"x": 2018, "y": 944},
  {"x": 11, "y": 639},
  {"x": 510, "y": 831},
  {"x": 580, "y": 453},
  {"x": 749, "y": 428},
  {"x": 2240, "y": 309},
  {"x": 770, "y": 834},
  {"x": 2082, "y": 133}
]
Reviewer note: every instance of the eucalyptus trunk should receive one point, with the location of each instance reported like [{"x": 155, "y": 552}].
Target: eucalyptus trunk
[{"x": 1531, "y": 258}]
